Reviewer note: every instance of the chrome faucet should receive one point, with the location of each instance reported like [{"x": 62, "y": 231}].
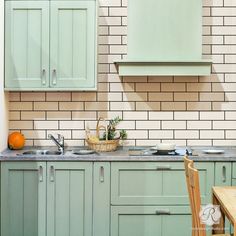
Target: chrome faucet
[{"x": 59, "y": 141}]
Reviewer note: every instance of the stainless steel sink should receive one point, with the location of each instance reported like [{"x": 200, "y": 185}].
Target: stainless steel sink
[{"x": 40, "y": 153}]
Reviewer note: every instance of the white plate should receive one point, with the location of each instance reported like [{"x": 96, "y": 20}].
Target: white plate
[
  {"x": 83, "y": 152},
  {"x": 214, "y": 151},
  {"x": 167, "y": 149}
]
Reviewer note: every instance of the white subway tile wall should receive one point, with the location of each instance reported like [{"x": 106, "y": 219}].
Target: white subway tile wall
[{"x": 188, "y": 111}]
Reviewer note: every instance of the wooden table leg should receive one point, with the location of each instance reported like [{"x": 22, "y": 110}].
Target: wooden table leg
[{"x": 219, "y": 228}]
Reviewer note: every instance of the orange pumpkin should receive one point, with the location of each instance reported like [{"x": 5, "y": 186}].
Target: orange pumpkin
[{"x": 16, "y": 141}]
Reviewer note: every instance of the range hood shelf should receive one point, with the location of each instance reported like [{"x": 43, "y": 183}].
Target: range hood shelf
[
  {"x": 164, "y": 38},
  {"x": 163, "y": 68}
]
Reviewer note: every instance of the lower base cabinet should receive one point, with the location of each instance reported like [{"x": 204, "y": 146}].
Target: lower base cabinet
[
  {"x": 102, "y": 198},
  {"x": 53, "y": 199},
  {"x": 23, "y": 199},
  {"x": 69, "y": 198},
  {"x": 150, "y": 221}
]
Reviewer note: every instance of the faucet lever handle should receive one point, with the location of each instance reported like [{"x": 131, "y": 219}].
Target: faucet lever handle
[{"x": 60, "y": 138}]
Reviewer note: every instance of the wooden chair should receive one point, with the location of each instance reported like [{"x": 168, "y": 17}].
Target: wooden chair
[{"x": 193, "y": 186}]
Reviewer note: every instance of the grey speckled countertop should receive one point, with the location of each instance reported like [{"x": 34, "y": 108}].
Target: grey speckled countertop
[{"x": 122, "y": 154}]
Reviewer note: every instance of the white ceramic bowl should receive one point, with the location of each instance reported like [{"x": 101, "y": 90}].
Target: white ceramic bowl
[{"x": 166, "y": 146}]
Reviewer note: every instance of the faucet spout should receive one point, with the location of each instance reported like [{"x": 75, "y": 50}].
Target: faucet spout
[{"x": 59, "y": 142}]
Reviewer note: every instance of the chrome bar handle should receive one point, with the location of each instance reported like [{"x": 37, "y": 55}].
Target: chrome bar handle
[
  {"x": 54, "y": 76},
  {"x": 40, "y": 173},
  {"x": 43, "y": 77},
  {"x": 101, "y": 174},
  {"x": 52, "y": 173},
  {"x": 163, "y": 212},
  {"x": 165, "y": 167},
  {"x": 223, "y": 173}
]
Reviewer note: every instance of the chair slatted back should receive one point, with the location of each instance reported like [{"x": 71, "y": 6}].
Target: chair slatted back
[{"x": 192, "y": 179}]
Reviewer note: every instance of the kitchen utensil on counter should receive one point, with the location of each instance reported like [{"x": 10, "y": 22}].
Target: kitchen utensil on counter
[{"x": 142, "y": 151}]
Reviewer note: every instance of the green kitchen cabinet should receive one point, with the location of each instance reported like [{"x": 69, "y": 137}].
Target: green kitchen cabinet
[
  {"x": 223, "y": 177},
  {"x": 233, "y": 182},
  {"x": 26, "y": 45},
  {"x": 50, "y": 45},
  {"x": 69, "y": 198},
  {"x": 150, "y": 221},
  {"x": 23, "y": 199},
  {"x": 101, "y": 199},
  {"x": 156, "y": 183},
  {"x": 223, "y": 174},
  {"x": 72, "y": 44}
]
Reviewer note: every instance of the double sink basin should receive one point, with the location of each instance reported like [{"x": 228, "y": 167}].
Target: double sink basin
[
  {"x": 48, "y": 152},
  {"x": 40, "y": 153}
]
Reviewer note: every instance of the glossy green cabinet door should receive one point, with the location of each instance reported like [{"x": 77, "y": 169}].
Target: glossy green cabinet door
[
  {"x": 150, "y": 221},
  {"x": 72, "y": 44},
  {"x": 26, "y": 45},
  {"x": 69, "y": 199},
  {"x": 23, "y": 199}
]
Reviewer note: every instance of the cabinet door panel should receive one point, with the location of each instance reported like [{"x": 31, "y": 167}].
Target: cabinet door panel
[
  {"x": 73, "y": 43},
  {"x": 101, "y": 199},
  {"x": 23, "y": 198},
  {"x": 27, "y": 44},
  {"x": 69, "y": 199},
  {"x": 223, "y": 173},
  {"x": 156, "y": 183},
  {"x": 140, "y": 221}
]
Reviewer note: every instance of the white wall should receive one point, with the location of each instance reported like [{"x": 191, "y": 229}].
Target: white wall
[{"x": 3, "y": 96}]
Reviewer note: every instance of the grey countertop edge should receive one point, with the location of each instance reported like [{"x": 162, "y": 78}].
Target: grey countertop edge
[{"x": 120, "y": 155}]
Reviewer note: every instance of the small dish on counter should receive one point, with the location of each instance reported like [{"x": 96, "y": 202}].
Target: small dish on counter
[
  {"x": 83, "y": 152},
  {"x": 214, "y": 151},
  {"x": 164, "y": 148}
]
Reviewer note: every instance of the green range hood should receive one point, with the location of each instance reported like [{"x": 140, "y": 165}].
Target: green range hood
[{"x": 164, "y": 38}]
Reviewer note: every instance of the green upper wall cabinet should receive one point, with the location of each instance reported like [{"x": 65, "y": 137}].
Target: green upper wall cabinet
[
  {"x": 27, "y": 45},
  {"x": 72, "y": 44},
  {"x": 50, "y": 45}
]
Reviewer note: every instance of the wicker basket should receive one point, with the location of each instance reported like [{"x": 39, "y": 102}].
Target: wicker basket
[{"x": 102, "y": 145}]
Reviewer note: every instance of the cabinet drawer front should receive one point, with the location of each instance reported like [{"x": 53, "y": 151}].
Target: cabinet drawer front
[
  {"x": 156, "y": 183},
  {"x": 139, "y": 221}
]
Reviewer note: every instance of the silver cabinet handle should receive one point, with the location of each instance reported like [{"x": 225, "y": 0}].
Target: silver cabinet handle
[
  {"x": 166, "y": 167},
  {"x": 101, "y": 174},
  {"x": 52, "y": 173},
  {"x": 54, "y": 76},
  {"x": 43, "y": 77},
  {"x": 40, "y": 173},
  {"x": 223, "y": 173},
  {"x": 163, "y": 212}
]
